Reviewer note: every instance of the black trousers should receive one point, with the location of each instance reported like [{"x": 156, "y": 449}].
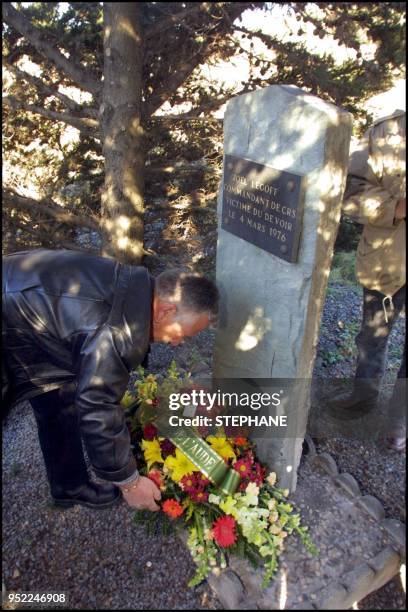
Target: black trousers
[
  {"x": 60, "y": 441},
  {"x": 372, "y": 344}
]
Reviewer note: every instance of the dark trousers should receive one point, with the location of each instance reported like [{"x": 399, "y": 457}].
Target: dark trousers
[
  {"x": 372, "y": 343},
  {"x": 60, "y": 441}
]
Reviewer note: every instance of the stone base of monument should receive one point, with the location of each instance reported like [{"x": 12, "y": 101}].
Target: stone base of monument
[{"x": 360, "y": 550}]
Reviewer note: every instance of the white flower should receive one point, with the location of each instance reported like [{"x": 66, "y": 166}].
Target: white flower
[
  {"x": 200, "y": 549},
  {"x": 273, "y": 517},
  {"x": 208, "y": 534},
  {"x": 252, "y": 489},
  {"x": 251, "y": 494},
  {"x": 216, "y": 571},
  {"x": 285, "y": 492},
  {"x": 214, "y": 499},
  {"x": 271, "y": 479},
  {"x": 272, "y": 504}
]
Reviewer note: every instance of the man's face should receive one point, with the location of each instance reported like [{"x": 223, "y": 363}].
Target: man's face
[{"x": 173, "y": 325}]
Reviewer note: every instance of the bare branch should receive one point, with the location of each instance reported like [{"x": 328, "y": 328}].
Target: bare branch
[
  {"x": 52, "y": 91},
  {"x": 185, "y": 63},
  {"x": 171, "y": 20},
  {"x": 39, "y": 84},
  {"x": 185, "y": 117},
  {"x": 36, "y": 37},
  {"x": 173, "y": 83},
  {"x": 11, "y": 198},
  {"x": 84, "y": 124},
  {"x": 52, "y": 239}
]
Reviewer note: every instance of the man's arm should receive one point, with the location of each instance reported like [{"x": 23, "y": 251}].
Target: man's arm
[{"x": 102, "y": 381}]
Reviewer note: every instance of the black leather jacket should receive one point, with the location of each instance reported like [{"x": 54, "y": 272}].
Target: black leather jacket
[{"x": 75, "y": 318}]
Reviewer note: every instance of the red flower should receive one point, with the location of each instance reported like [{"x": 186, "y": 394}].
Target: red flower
[
  {"x": 188, "y": 483},
  {"x": 199, "y": 496},
  {"x": 167, "y": 448},
  {"x": 258, "y": 474},
  {"x": 149, "y": 432},
  {"x": 172, "y": 508},
  {"x": 243, "y": 467},
  {"x": 203, "y": 480},
  {"x": 157, "y": 477},
  {"x": 224, "y": 531},
  {"x": 193, "y": 483}
]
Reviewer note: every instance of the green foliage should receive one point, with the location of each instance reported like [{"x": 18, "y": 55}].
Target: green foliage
[
  {"x": 348, "y": 235},
  {"x": 331, "y": 356},
  {"x": 343, "y": 268}
]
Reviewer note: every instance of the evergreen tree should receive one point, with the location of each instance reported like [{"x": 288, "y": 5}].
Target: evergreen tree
[{"x": 107, "y": 69}]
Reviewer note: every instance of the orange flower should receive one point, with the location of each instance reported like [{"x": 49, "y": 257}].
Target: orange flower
[
  {"x": 239, "y": 441},
  {"x": 172, "y": 508}
]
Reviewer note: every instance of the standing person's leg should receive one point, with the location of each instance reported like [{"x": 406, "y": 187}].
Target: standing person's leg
[
  {"x": 398, "y": 402},
  {"x": 61, "y": 445},
  {"x": 371, "y": 342}
]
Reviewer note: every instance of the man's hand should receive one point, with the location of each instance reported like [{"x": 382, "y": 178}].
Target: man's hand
[
  {"x": 400, "y": 209},
  {"x": 142, "y": 495}
]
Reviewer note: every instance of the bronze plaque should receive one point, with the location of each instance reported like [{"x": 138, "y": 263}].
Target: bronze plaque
[{"x": 263, "y": 206}]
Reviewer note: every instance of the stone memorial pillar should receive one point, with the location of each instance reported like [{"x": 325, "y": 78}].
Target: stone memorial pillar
[{"x": 286, "y": 157}]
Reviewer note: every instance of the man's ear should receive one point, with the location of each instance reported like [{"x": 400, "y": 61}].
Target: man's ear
[{"x": 162, "y": 309}]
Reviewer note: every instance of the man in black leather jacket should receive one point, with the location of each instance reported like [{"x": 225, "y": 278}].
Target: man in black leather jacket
[{"x": 74, "y": 326}]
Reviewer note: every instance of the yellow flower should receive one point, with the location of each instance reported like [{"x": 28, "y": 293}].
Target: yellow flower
[
  {"x": 228, "y": 506},
  {"x": 258, "y": 540},
  {"x": 179, "y": 465},
  {"x": 221, "y": 446},
  {"x": 152, "y": 452},
  {"x": 127, "y": 400}
]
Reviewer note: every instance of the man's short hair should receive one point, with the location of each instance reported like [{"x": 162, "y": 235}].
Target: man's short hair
[{"x": 191, "y": 291}]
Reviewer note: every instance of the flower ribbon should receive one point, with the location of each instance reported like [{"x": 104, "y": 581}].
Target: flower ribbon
[{"x": 208, "y": 461}]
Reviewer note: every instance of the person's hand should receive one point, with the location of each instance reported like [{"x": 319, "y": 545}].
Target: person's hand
[
  {"x": 400, "y": 209},
  {"x": 142, "y": 494}
]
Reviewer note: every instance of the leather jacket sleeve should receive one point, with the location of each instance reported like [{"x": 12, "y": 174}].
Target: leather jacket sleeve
[{"x": 102, "y": 380}]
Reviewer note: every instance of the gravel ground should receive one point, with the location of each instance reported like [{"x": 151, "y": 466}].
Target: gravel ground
[
  {"x": 378, "y": 471},
  {"x": 102, "y": 560}
]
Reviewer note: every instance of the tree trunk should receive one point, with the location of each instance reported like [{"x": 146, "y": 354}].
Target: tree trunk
[{"x": 123, "y": 134}]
